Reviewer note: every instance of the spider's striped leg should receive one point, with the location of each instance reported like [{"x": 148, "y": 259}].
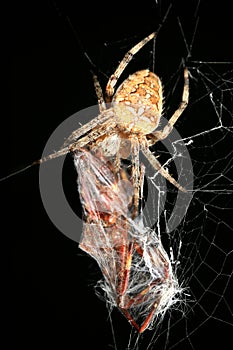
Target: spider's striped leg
[
  {"x": 127, "y": 58},
  {"x": 106, "y": 128},
  {"x": 141, "y": 185},
  {"x": 137, "y": 178},
  {"x": 99, "y": 93},
  {"x": 157, "y": 166},
  {"x": 99, "y": 120},
  {"x": 162, "y": 134},
  {"x": 138, "y": 173}
]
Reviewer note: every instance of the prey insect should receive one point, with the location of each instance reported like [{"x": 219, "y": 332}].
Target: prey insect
[{"x": 138, "y": 277}]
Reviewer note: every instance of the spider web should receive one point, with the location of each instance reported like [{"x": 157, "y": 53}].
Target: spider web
[{"x": 200, "y": 248}]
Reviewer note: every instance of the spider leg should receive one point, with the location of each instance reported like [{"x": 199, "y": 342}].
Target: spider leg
[
  {"x": 161, "y": 135},
  {"x": 106, "y": 128},
  {"x": 99, "y": 120},
  {"x": 141, "y": 184},
  {"x": 99, "y": 93},
  {"x": 155, "y": 163},
  {"x": 127, "y": 58},
  {"x": 136, "y": 178},
  {"x": 117, "y": 162},
  {"x": 57, "y": 154}
]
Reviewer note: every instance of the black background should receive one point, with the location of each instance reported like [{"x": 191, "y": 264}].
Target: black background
[{"x": 50, "y": 295}]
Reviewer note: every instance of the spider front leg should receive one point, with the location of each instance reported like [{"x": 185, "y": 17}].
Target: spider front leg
[
  {"x": 162, "y": 134},
  {"x": 127, "y": 58},
  {"x": 106, "y": 128},
  {"x": 99, "y": 120}
]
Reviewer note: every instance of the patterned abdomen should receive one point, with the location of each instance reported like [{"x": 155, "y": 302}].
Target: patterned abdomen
[{"x": 138, "y": 102}]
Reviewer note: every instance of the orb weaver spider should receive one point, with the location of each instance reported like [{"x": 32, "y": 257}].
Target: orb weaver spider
[
  {"x": 137, "y": 271},
  {"x": 133, "y": 114}
]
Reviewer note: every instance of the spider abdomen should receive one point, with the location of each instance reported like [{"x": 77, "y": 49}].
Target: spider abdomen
[{"x": 138, "y": 102}]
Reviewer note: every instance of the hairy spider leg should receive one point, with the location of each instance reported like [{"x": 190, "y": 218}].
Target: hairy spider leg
[
  {"x": 121, "y": 67},
  {"x": 107, "y": 128},
  {"x": 99, "y": 93},
  {"x": 157, "y": 166},
  {"x": 162, "y": 134},
  {"x": 135, "y": 175},
  {"x": 99, "y": 120}
]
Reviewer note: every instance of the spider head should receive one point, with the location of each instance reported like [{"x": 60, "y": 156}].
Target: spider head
[{"x": 138, "y": 102}]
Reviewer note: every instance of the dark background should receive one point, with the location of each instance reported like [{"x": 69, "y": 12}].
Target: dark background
[{"x": 50, "y": 298}]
